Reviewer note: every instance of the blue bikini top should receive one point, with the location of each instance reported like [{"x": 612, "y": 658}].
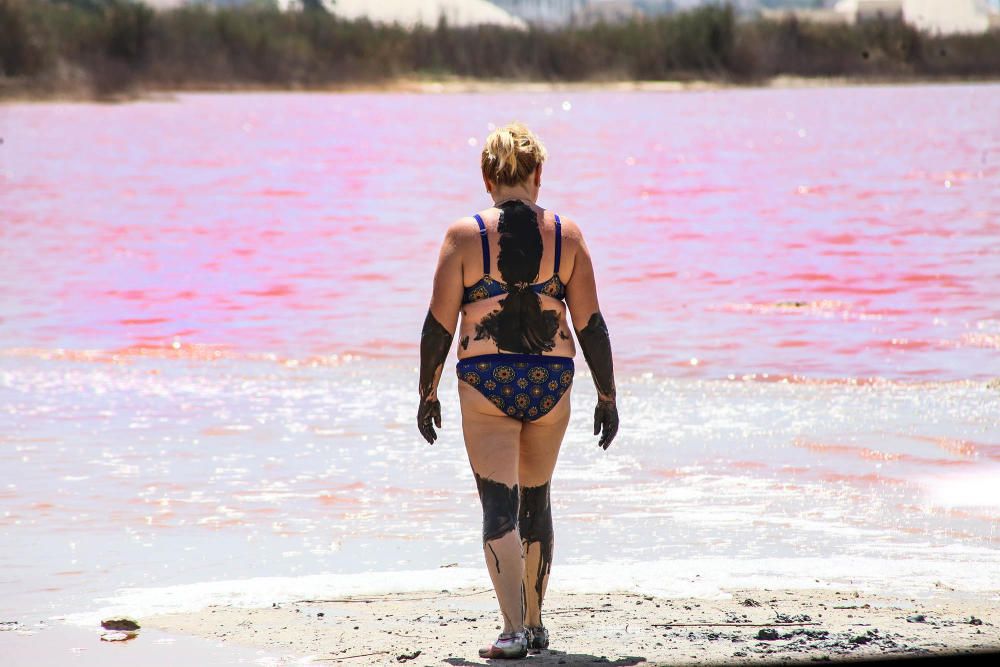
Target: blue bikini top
[{"x": 487, "y": 287}]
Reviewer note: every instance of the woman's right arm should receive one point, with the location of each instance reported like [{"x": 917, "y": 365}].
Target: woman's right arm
[
  {"x": 581, "y": 297},
  {"x": 439, "y": 328}
]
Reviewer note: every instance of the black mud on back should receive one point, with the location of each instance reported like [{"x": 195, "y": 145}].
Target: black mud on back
[
  {"x": 520, "y": 243},
  {"x": 520, "y": 325}
]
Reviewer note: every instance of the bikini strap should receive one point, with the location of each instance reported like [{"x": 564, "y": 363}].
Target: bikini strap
[
  {"x": 486, "y": 245},
  {"x": 555, "y": 268}
]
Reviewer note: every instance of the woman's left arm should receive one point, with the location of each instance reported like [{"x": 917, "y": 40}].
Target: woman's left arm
[{"x": 439, "y": 328}]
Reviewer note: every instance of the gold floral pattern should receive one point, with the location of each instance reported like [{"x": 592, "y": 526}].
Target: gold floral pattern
[
  {"x": 553, "y": 287},
  {"x": 503, "y": 373},
  {"x": 566, "y": 378},
  {"x": 477, "y": 293},
  {"x": 538, "y": 374},
  {"x": 522, "y": 401},
  {"x": 471, "y": 378},
  {"x": 522, "y": 382}
]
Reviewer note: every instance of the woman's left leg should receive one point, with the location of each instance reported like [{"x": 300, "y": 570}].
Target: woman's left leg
[
  {"x": 540, "y": 443},
  {"x": 491, "y": 440}
]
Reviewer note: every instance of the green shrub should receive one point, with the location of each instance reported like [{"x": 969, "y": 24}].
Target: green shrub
[{"x": 22, "y": 50}]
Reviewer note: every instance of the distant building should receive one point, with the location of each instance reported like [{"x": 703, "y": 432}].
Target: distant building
[
  {"x": 404, "y": 12},
  {"x": 564, "y": 12},
  {"x": 934, "y": 16},
  {"x": 608, "y": 11},
  {"x": 543, "y": 12},
  {"x": 871, "y": 10},
  {"x": 428, "y": 12},
  {"x": 808, "y": 15},
  {"x": 280, "y": 4},
  {"x": 165, "y": 4}
]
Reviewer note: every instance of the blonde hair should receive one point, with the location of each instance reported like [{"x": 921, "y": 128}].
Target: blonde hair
[{"x": 511, "y": 154}]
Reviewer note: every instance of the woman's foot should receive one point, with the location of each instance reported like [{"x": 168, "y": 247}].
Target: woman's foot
[
  {"x": 538, "y": 637},
  {"x": 507, "y": 645}
]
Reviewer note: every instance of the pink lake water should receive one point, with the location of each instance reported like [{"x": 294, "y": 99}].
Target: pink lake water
[
  {"x": 843, "y": 233},
  {"x": 210, "y": 308}
]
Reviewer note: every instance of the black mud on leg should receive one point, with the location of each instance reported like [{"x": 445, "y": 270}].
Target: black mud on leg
[
  {"x": 535, "y": 524},
  {"x": 499, "y": 508},
  {"x": 524, "y": 600},
  {"x": 495, "y": 559}
]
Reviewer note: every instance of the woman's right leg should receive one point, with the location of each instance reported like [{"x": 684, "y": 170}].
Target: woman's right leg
[{"x": 492, "y": 442}]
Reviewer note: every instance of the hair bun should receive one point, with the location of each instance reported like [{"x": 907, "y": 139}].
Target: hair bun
[{"x": 511, "y": 154}]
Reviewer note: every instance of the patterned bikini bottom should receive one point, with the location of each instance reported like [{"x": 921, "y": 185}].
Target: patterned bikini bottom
[{"x": 522, "y": 386}]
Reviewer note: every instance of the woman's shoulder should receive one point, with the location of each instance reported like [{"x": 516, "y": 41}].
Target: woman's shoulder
[
  {"x": 463, "y": 229},
  {"x": 571, "y": 231}
]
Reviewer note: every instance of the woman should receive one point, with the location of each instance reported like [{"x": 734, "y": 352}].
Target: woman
[{"x": 515, "y": 368}]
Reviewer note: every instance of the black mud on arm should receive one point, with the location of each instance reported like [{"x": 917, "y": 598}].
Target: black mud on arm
[
  {"x": 596, "y": 344},
  {"x": 435, "y": 341}
]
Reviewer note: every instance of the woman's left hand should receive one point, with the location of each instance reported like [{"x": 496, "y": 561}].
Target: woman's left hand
[{"x": 429, "y": 412}]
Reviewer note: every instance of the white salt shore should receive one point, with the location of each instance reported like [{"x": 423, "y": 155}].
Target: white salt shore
[
  {"x": 662, "y": 612},
  {"x": 626, "y": 628}
]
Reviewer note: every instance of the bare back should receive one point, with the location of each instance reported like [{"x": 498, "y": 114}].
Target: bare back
[{"x": 473, "y": 337}]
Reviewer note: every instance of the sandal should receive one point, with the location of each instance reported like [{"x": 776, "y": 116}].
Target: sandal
[
  {"x": 538, "y": 637},
  {"x": 507, "y": 645}
]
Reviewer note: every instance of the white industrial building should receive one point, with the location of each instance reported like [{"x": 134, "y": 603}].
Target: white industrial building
[
  {"x": 428, "y": 12},
  {"x": 935, "y": 16},
  {"x": 404, "y": 12}
]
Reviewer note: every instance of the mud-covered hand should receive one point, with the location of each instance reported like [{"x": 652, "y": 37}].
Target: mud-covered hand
[
  {"x": 429, "y": 416},
  {"x": 606, "y": 420}
]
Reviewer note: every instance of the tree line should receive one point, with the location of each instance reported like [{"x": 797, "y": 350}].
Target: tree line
[{"x": 107, "y": 47}]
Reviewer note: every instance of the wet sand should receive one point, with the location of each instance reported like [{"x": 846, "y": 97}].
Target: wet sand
[
  {"x": 55, "y": 644},
  {"x": 751, "y": 626}
]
